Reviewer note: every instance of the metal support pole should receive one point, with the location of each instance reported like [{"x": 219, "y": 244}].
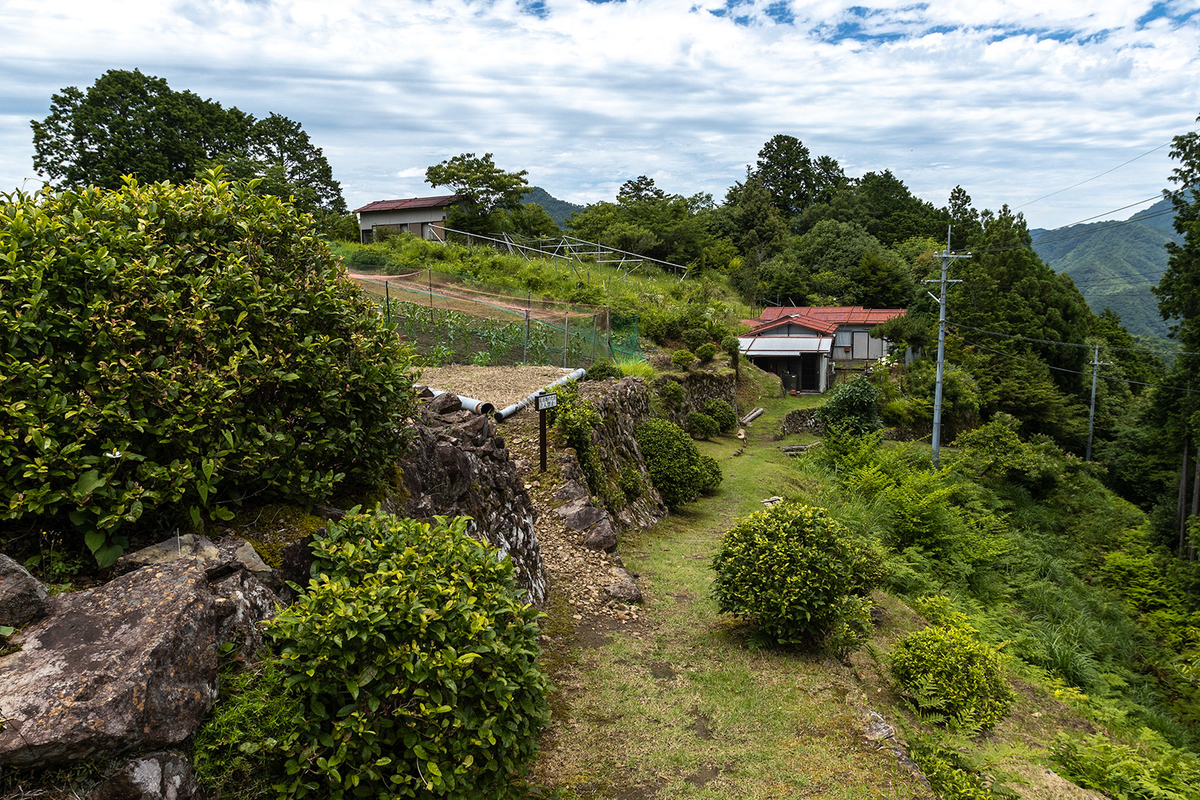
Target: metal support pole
[
  {"x": 1092, "y": 409},
  {"x": 941, "y": 357},
  {"x": 566, "y": 336},
  {"x": 525, "y": 348},
  {"x": 387, "y": 295}
]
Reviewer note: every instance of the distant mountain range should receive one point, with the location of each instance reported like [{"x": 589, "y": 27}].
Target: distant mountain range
[
  {"x": 1115, "y": 264},
  {"x": 558, "y": 210}
]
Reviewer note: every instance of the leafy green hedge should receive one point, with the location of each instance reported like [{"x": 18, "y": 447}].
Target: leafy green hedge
[
  {"x": 946, "y": 670},
  {"x": 722, "y": 413},
  {"x": 797, "y": 573},
  {"x": 416, "y": 662},
  {"x": 177, "y": 348},
  {"x": 677, "y": 469}
]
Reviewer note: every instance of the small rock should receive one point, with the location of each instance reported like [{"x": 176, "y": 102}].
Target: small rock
[
  {"x": 22, "y": 596},
  {"x": 156, "y": 776},
  {"x": 878, "y": 731},
  {"x": 623, "y": 588}
]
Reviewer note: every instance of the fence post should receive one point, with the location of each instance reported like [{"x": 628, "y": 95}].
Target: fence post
[
  {"x": 387, "y": 302},
  {"x": 566, "y": 336},
  {"x": 525, "y": 348}
]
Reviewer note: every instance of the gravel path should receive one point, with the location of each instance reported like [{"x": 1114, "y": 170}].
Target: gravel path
[{"x": 500, "y": 386}]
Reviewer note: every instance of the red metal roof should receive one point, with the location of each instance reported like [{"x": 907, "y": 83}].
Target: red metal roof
[
  {"x": 838, "y": 315},
  {"x": 813, "y": 323},
  {"x": 416, "y": 202}
]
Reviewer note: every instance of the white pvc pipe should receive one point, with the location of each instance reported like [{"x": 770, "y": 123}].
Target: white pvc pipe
[{"x": 508, "y": 411}]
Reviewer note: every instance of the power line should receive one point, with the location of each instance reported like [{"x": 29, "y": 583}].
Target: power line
[
  {"x": 1077, "y": 372},
  {"x": 1094, "y": 177},
  {"x": 1071, "y": 344}
]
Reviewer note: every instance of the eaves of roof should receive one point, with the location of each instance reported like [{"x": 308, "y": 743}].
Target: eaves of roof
[{"x": 440, "y": 201}]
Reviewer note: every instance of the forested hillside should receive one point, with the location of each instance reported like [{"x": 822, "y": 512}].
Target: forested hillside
[
  {"x": 1116, "y": 264},
  {"x": 558, "y": 210}
]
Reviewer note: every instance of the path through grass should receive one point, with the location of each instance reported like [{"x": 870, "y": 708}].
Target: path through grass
[{"x": 688, "y": 704}]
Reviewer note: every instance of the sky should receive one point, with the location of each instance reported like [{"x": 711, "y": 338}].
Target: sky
[{"x": 1013, "y": 100}]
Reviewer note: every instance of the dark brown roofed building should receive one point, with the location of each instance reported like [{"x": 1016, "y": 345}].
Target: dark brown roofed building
[{"x": 421, "y": 216}]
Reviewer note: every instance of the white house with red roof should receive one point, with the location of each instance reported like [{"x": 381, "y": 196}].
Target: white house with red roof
[
  {"x": 421, "y": 216},
  {"x": 803, "y": 345}
]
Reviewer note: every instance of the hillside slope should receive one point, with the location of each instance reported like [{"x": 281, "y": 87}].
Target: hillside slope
[
  {"x": 1115, "y": 265},
  {"x": 559, "y": 210}
]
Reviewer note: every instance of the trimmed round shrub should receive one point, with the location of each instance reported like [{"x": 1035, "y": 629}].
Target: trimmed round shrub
[
  {"x": 682, "y": 359},
  {"x": 695, "y": 337},
  {"x": 723, "y": 413},
  {"x": 701, "y": 426},
  {"x": 676, "y": 468},
  {"x": 416, "y": 663},
  {"x": 852, "y": 406},
  {"x": 798, "y": 575},
  {"x": 946, "y": 670},
  {"x": 672, "y": 393},
  {"x": 171, "y": 349},
  {"x": 602, "y": 370},
  {"x": 706, "y": 351},
  {"x": 731, "y": 347}
]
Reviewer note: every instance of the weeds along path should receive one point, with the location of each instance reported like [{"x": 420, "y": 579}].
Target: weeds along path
[{"x": 681, "y": 703}]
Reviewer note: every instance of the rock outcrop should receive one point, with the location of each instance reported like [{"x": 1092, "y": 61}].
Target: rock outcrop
[
  {"x": 131, "y": 665},
  {"x": 163, "y": 775},
  {"x": 458, "y": 465}
]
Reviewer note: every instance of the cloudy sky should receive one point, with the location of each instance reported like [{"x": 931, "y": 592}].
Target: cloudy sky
[{"x": 1012, "y": 99}]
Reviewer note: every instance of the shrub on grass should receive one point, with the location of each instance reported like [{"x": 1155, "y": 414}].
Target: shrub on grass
[
  {"x": 170, "y": 349},
  {"x": 676, "y": 468},
  {"x": 701, "y": 426},
  {"x": 723, "y": 413},
  {"x": 682, "y": 359},
  {"x": 797, "y": 573},
  {"x": 852, "y": 406},
  {"x": 705, "y": 352},
  {"x": 946, "y": 670},
  {"x": 416, "y": 664}
]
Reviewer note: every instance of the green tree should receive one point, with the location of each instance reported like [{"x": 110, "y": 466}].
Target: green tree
[
  {"x": 485, "y": 188},
  {"x": 128, "y": 123},
  {"x": 280, "y": 154}
]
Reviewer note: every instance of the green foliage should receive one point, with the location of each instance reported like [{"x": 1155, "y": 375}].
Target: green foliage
[
  {"x": 701, "y": 426},
  {"x": 676, "y": 468},
  {"x": 731, "y": 346},
  {"x": 169, "y": 349},
  {"x": 128, "y": 123},
  {"x": 694, "y": 337},
  {"x": 484, "y": 186},
  {"x": 576, "y": 419},
  {"x": 672, "y": 394},
  {"x": 416, "y": 664},
  {"x": 241, "y": 748},
  {"x": 1155, "y": 771},
  {"x": 602, "y": 370},
  {"x": 852, "y": 406},
  {"x": 682, "y": 359},
  {"x": 705, "y": 352},
  {"x": 950, "y": 774},
  {"x": 722, "y": 413},
  {"x": 630, "y": 481},
  {"x": 948, "y": 671},
  {"x": 799, "y": 575},
  {"x": 636, "y": 369}
]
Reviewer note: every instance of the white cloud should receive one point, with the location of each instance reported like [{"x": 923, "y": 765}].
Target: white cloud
[{"x": 1009, "y": 98}]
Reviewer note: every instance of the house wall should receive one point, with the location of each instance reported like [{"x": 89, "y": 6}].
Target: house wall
[{"x": 844, "y": 344}]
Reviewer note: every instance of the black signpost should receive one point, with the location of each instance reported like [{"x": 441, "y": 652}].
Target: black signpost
[{"x": 545, "y": 402}]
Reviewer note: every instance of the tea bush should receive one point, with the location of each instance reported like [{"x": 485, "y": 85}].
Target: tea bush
[
  {"x": 798, "y": 574},
  {"x": 416, "y": 663},
  {"x": 946, "y": 670},
  {"x": 702, "y": 426},
  {"x": 677, "y": 469},
  {"x": 695, "y": 337},
  {"x": 853, "y": 406},
  {"x": 603, "y": 369},
  {"x": 169, "y": 349},
  {"x": 706, "y": 351},
  {"x": 722, "y": 413},
  {"x": 682, "y": 359}
]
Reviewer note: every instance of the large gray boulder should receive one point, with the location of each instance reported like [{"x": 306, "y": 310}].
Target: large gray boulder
[
  {"x": 129, "y": 666},
  {"x": 22, "y": 596}
]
